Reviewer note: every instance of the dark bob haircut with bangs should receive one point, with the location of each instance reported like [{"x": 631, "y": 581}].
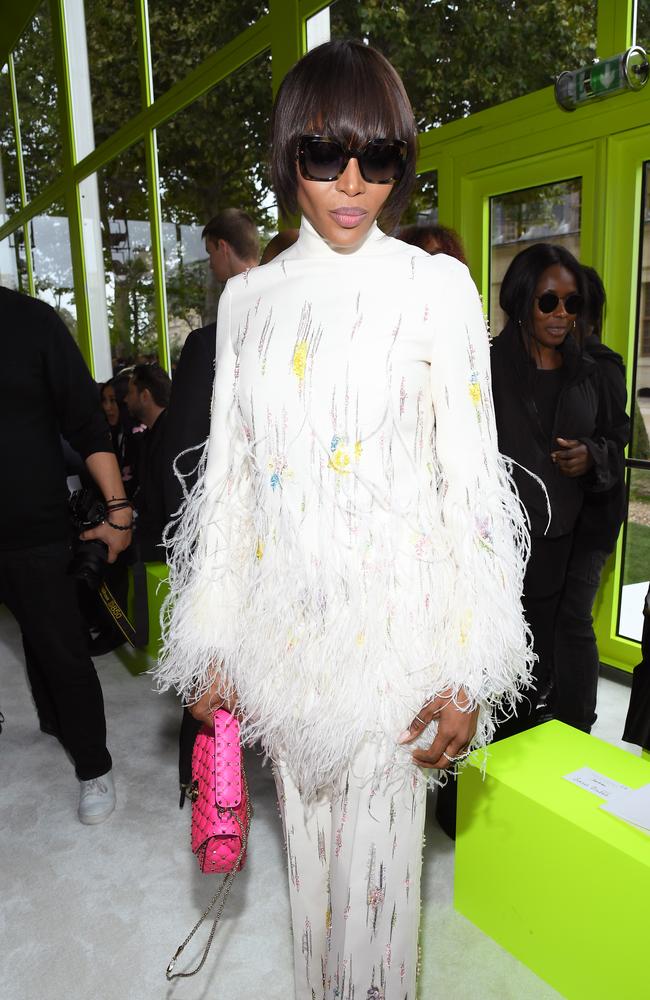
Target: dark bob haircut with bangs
[{"x": 347, "y": 91}]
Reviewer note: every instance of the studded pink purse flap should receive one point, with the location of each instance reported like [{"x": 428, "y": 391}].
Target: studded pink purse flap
[{"x": 227, "y": 760}]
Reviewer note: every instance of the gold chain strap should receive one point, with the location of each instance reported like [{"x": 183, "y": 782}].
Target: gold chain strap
[{"x": 224, "y": 889}]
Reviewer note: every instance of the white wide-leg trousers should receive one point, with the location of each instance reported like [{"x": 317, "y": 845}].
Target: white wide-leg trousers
[{"x": 354, "y": 857}]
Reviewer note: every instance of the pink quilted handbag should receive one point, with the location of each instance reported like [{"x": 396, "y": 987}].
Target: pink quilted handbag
[
  {"x": 221, "y": 815},
  {"x": 219, "y": 797}
]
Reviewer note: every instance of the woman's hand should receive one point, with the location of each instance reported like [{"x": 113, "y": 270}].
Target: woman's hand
[
  {"x": 456, "y": 729},
  {"x": 573, "y": 459},
  {"x": 209, "y": 703}
]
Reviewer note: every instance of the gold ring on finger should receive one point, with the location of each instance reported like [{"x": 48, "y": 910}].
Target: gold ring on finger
[{"x": 421, "y": 721}]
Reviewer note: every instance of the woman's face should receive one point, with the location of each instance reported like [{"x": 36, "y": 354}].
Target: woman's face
[
  {"x": 109, "y": 406},
  {"x": 550, "y": 329},
  {"x": 342, "y": 211}
]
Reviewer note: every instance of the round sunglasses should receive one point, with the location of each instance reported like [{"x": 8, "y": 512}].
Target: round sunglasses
[
  {"x": 549, "y": 301},
  {"x": 381, "y": 161}
]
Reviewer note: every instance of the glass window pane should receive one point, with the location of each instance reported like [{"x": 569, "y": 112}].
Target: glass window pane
[
  {"x": 185, "y": 32},
  {"x": 13, "y": 263},
  {"x": 126, "y": 240},
  {"x": 52, "y": 264},
  {"x": 211, "y": 156},
  {"x": 643, "y": 24},
  {"x": 40, "y": 124},
  {"x": 9, "y": 185},
  {"x": 639, "y": 447},
  {"x": 462, "y": 57},
  {"x": 112, "y": 39},
  {"x": 546, "y": 214},
  {"x": 423, "y": 207},
  {"x": 636, "y": 555}
]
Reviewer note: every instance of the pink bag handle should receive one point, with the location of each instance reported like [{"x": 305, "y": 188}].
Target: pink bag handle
[{"x": 227, "y": 760}]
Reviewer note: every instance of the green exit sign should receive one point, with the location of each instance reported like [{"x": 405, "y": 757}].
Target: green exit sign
[
  {"x": 628, "y": 71},
  {"x": 603, "y": 78}
]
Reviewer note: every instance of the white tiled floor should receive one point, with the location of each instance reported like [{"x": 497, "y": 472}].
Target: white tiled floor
[{"x": 95, "y": 913}]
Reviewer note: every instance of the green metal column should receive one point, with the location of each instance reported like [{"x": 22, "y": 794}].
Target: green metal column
[
  {"x": 72, "y": 200},
  {"x": 153, "y": 190},
  {"x": 21, "y": 174},
  {"x": 287, "y": 38},
  {"x": 614, "y": 27}
]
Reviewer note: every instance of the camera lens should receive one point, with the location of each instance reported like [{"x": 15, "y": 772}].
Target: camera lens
[{"x": 89, "y": 563}]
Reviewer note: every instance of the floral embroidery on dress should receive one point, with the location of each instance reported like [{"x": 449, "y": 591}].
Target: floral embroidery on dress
[
  {"x": 300, "y": 360},
  {"x": 341, "y": 455},
  {"x": 402, "y": 396}
]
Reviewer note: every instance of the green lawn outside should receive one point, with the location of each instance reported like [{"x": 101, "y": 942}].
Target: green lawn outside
[{"x": 637, "y": 554}]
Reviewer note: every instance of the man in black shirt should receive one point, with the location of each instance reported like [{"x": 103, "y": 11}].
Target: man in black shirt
[
  {"x": 46, "y": 391},
  {"x": 147, "y": 399}
]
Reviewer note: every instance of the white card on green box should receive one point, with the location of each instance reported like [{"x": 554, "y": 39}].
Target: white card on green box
[
  {"x": 631, "y": 805},
  {"x": 592, "y": 781}
]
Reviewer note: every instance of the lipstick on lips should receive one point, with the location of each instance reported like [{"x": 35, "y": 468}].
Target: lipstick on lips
[{"x": 348, "y": 218}]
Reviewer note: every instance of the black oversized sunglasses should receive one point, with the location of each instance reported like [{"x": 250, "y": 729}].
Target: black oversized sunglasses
[
  {"x": 381, "y": 161},
  {"x": 549, "y": 301}
]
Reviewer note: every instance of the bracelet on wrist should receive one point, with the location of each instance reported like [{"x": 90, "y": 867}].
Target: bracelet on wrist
[
  {"x": 119, "y": 506},
  {"x": 120, "y": 527}
]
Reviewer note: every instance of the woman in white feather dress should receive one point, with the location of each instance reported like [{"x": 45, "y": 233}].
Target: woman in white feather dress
[{"x": 347, "y": 572}]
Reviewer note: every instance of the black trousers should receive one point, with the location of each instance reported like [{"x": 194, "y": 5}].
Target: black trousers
[
  {"x": 544, "y": 585},
  {"x": 576, "y": 659},
  {"x": 37, "y": 590}
]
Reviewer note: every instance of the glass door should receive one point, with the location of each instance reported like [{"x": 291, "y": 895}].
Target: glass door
[
  {"x": 635, "y": 576},
  {"x": 547, "y": 213}
]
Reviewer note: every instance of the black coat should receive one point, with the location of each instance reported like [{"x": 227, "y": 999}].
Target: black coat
[
  {"x": 188, "y": 415},
  {"x": 149, "y": 496},
  {"x": 521, "y": 437},
  {"x": 603, "y": 513}
]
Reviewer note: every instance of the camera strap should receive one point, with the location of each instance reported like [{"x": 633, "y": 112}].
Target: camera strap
[{"x": 137, "y": 636}]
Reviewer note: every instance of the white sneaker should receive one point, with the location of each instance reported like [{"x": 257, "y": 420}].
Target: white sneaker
[{"x": 96, "y": 799}]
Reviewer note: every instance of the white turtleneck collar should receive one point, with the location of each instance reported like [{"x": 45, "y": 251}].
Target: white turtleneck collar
[{"x": 312, "y": 245}]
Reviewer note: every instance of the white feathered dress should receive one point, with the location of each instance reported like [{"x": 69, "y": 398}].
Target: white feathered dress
[{"x": 354, "y": 545}]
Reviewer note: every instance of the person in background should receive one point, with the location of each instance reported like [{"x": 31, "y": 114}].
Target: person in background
[
  {"x": 113, "y": 400},
  {"x": 232, "y": 242},
  {"x": 434, "y": 239},
  {"x": 280, "y": 242},
  {"x": 147, "y": 399},
  {"x": 46, "y": 392},
  {"x": 233, "y": 245},
  {"x": 576, "y": 660},
  {"x": 547, "y": 403}
]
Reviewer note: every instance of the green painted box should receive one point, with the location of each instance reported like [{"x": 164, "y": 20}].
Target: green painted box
[
  {"x": 544, "y": 871},
  {"x": 139, "y": 660}
]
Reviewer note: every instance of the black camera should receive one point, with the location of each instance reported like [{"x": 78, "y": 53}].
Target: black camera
[{"x": 87, "y": 510}]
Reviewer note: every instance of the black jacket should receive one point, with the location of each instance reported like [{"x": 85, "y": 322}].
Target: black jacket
[
  {"x": 149, "y": 496},
  {"x": 521, "y": 437},
  {"x": 603, "y": 513},
  {"x": 188, "y": 416},
  {"x": 46, "y": 391}
]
